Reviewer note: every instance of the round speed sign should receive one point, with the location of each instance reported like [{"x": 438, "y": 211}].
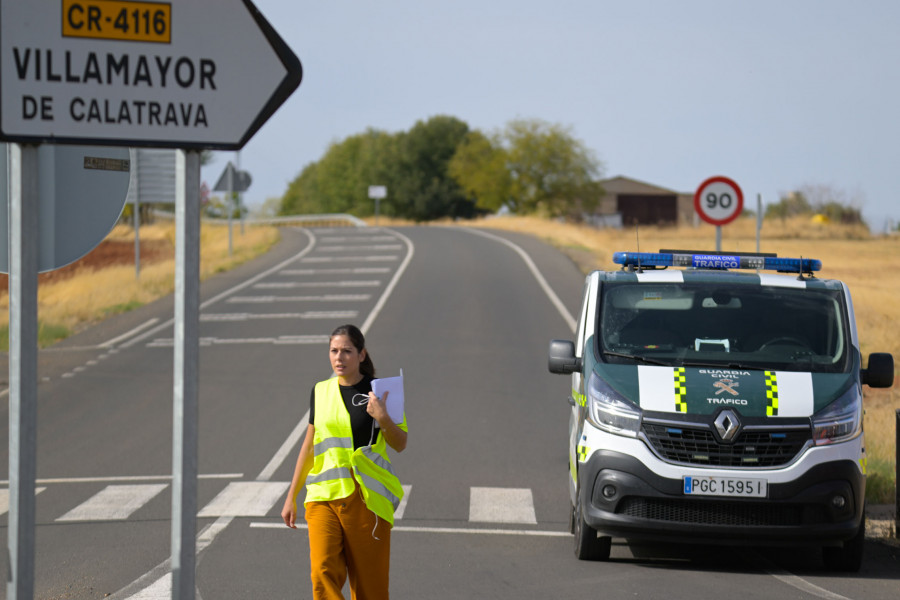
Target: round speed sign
[{"x": 719, "y": 200}]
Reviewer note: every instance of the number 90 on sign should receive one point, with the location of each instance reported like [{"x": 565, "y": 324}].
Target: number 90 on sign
[
  {"x": 718, "y": 200},
  {"x": 118, "y": 20}
]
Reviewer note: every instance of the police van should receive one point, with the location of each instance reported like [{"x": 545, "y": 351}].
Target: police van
[{"x": 717, "y": 398}]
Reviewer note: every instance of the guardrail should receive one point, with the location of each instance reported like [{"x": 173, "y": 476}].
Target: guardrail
[{"x": 326, "y": 220}]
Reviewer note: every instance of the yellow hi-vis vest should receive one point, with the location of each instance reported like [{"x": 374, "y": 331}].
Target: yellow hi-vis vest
[{"x": 336, "y": 464}]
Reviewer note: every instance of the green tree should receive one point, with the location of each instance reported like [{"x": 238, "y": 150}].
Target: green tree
[
  {"x": 340, "y": 180},
  {"x": 531, "y": 167},
  {"x": 423, "y": 188},
  {"x": 479, "y": 166}
]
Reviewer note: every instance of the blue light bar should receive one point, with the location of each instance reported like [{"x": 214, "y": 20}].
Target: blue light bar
[{"x": 717, "y": 261}]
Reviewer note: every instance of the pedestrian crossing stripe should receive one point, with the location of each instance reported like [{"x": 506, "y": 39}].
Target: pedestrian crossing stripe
[
  {"x": 118, "y": 502},
  {"x": 114, "y": 502}
]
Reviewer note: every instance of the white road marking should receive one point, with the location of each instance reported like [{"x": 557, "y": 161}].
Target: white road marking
[
  {"x": 229, "y": 291},
  {"x": 554, "y": 299},
  {"x": 413, "y": 529},
  {"x": 310, "y": 314},
  {"x": 114, "y": 503},
  {"x": 355, "y": 259},
  {"x": 4, "y": 498},
  {"x": 245, "y": 499},
  {"x": 284, "y": 285},
  {"x": 123, "y": 478},
  {"x": 804, "y": 585},
  {"x": 216, "y": 341},
  {"x": 128, "y": 334},
  {"x": 398, "y": 514},
  {"x": 323, "y": 298},
  {"x": 501, "y": 505},
  {"x": 361, "y": 248},
  {"x": 337, "y": 271}
]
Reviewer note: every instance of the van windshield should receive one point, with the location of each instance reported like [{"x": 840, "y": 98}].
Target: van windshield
[{"x": 734, "y": 325}]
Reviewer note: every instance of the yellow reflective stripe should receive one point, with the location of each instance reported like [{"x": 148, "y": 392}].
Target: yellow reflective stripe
[
  {"x": 771, "y": 394},
  {"x": 680, "y": 390}
]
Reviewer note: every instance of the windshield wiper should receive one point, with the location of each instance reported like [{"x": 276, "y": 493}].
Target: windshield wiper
[{"x": 649, "y": 361}]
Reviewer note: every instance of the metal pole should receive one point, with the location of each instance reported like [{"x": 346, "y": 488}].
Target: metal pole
[
  {"x": 229, "y": 203},
  {"x": 135, "y": 193},
  {"x": 23, "y": 270},
  {"x": 759, "y": 219},
  {"x": 718, "y": 238},
  {"x": 240, "y": 196},
  {"x": 186, "y": 374}
]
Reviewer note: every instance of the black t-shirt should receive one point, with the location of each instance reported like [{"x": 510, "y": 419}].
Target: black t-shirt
[{"x": 361, "y": 422}]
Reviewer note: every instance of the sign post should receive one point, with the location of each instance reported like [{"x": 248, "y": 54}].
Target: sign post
[
  {"x": 719, "y": 201},
  {"x": 377, "y": 193},
  {"x": 99, "y": 73}
]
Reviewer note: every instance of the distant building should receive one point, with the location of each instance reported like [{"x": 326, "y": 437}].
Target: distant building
[{"x": 628, "y": 201}]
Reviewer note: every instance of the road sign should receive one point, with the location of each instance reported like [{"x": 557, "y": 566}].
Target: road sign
[
  {"x": 718, "y": 200},
  {"x": 233, "y": 180},
  {"x": 377, "y": 192},
  {"x": 180, "y": 74},
  {"x": 81, "y": 193}
]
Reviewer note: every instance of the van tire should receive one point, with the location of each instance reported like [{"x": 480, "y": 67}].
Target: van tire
[
  {"x": 848, "y": 556},
  {"x": 588, "y": 544}
]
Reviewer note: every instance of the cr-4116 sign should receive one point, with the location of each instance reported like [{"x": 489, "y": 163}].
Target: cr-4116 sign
[{"x": 185, "y": 73}]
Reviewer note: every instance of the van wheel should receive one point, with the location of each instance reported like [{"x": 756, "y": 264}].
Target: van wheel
[
  {"x": 588, "y": 545},
  {"x": 848, "y": 556}
]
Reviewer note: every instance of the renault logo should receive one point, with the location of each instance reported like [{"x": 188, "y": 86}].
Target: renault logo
[{"x": 727, "y": 424}]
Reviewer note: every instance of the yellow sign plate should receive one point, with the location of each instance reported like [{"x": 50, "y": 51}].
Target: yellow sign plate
[{"x": 118, "y": 20}]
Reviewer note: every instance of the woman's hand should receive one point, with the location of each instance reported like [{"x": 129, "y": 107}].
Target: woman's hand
[
  {"x": 289, "y": 512},
  {"x": 377, "y": 407},
  {"x": 393, "y": 435}
]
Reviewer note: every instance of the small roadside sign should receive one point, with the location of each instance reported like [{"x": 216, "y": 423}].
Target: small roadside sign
[
  {"x": 233, "y": 180},
  {"x": 719, "y": 200}
]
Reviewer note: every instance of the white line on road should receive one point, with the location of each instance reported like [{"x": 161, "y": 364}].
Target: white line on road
[
  {"x": 229, "y": 291},
  {"x": 310, "y": 314},
  {"x": 114, "y": 503},
  {"x": 465, "y": 530},
  {"x": 554, "y": 299},
  {"x": 322, "y": 298},
  {"x": 356, "y": 259},
  {"x": 284, "y": 285},
  {"x": 338, "y": 271}
]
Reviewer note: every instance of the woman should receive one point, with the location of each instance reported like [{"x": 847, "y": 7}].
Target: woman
[{"x": 351, "y": 491}]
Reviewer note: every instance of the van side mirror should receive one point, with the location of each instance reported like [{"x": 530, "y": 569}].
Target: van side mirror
[
  {"x": 562, "y": 357},
  {"x": 880, "y": 373}
]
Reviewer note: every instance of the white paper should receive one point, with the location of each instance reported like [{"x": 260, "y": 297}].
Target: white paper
[{"x": 394, "y": 387}]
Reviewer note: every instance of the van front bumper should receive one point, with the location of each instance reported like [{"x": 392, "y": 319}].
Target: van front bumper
[{"x": 622, "y": 497}]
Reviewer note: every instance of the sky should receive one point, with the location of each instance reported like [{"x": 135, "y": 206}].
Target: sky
[{"x": 775, "y": 94}]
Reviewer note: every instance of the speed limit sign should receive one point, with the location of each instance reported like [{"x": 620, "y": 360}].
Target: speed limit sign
[{"x": 719, "y": 200}]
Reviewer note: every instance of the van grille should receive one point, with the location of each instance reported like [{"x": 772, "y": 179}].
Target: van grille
[
  {"x": 698, "y": 446},
  {"x": 721, "y": 512}
]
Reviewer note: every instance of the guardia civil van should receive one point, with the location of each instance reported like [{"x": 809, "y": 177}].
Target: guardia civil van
[{"x": 717, "y": 398}]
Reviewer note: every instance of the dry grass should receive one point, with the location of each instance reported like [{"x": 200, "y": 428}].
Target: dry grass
[
  {"x": 869, "y": 265},
  {"x": 92, "y": 295}
]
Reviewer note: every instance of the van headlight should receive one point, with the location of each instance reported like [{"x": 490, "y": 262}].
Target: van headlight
[
  {"x": 839, "y": 421},
  {"x": 608, "y": 410}
]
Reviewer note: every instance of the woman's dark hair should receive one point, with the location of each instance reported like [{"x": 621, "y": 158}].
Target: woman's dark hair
[{"x": 366, "y": 367}]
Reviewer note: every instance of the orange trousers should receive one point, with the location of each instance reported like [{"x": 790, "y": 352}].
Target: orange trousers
[{"x": 346, "y": 538}]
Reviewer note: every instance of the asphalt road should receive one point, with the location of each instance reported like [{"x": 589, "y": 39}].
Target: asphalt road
[{"x": 466, "y": 318}]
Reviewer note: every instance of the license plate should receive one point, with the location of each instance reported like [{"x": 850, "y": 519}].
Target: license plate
[{"x": 725, "y": 486}]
